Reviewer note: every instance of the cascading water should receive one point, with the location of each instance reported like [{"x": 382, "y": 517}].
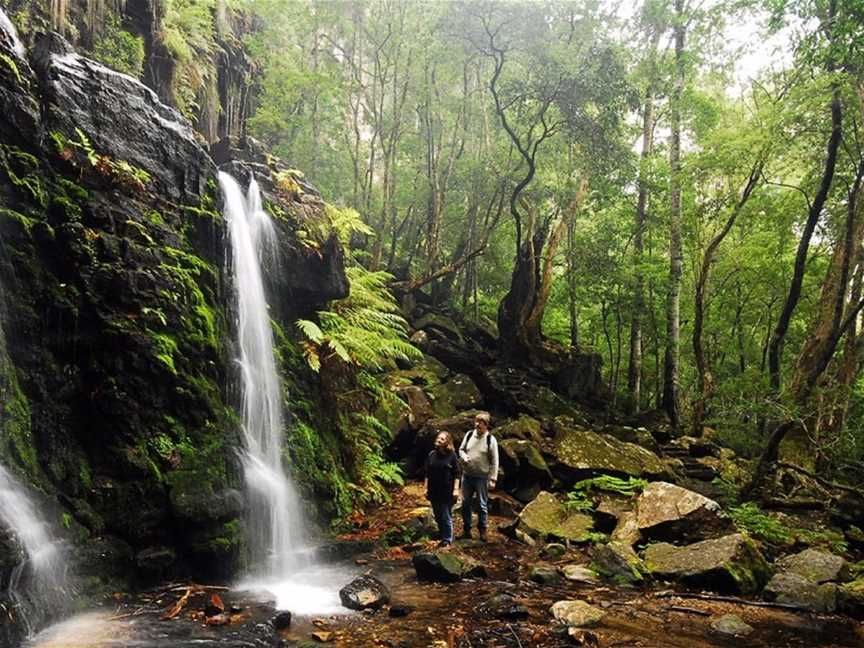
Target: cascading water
[
  {"x": 37, "y": 585},
  {"x": 285, "y": 564}
]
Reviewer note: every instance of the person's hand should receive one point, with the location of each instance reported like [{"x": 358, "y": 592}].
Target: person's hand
[{"x": 492, "y": 484}]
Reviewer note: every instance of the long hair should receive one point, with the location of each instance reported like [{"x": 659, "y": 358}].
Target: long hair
[{"x": 449, "y": 438}]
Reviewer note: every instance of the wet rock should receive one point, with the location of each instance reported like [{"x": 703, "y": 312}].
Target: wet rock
[
  {"x": 419, "y": 406},
  {"x": 364, "y": 593},
  {"x": 579, "y": 574},
  {"x": 668, "y": 512},
  {"x": 850, "y": 598},
  {"x": 553, "y": 550},
  {"x": 445, "y": 567},
  {"x": 580, "y": 452},
  {"x": 816, "y": 566},
  {"x": 619, "y": 562},
  {"x": 793, "y": 589},
  {"x": 503, "y": 606},
  {"x": 457, "y": 394},
  {"x": 731, "y": 624},
  {"x": 577, "y": 614},
  {"x": 524, "y": 538},
  {"x": 398, "y": 611},
  {"x": 544, "y": 574},
  {"x": 731, "y": 563},
  {"x": 282, "y": 621},
  {"x": 547, "y": 518},
  {"x": 17, "y": 83}
]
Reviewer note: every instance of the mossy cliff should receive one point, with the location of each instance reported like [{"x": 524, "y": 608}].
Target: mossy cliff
[{"x": 117, "y": 376}]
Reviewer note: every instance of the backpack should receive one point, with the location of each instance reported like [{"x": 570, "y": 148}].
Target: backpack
[{"x": 464, "y": 444}]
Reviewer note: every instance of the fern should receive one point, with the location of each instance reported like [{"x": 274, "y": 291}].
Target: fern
[{"x": 363, "y": 329}]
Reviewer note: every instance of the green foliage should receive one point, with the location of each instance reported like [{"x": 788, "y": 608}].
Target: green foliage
[
  {"x": 10, "y": 64},
  {"x": 118, "y": 48},
  {"x": 629, "y": 487},
  {"x": 119, "y": 172},
  {"x": 187, "y": 32},
  {"x": 363, "y": 329},
  {"x": 750, "y": 518}
]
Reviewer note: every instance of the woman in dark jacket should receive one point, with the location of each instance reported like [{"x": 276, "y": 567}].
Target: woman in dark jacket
[{"x": 442, "y": 473}]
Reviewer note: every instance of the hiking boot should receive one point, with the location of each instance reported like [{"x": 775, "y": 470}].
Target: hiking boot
[
  {"x": 443, "y": 544},
  {"x": 466, "y": 535},
  {"x": 482, "y": 535}
]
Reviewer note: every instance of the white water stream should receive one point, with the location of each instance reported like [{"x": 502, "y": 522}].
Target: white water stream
[
  {"x": 37, "y": 585},
  {"x": 284, "y": 564}
]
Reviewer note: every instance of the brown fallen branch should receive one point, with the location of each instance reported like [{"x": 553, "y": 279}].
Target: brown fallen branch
[
  {"x": 686, "y": 610},
  {"x": 411, "y": 286},
  {"x": 731, "y": 599},
  {"x": 178, "y": 606}
]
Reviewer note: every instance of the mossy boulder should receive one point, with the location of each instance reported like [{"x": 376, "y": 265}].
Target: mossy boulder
[
  {"x": 546, "y": 518},
  {"x": 580, "y": 453},
  {"x": 618, "y": 562},
  {"x": 732, "y": 563},
  {"x": 525, "y": 428},
  {"x": 445, "y": 566},
  {"x": 816, "y": 566},
  {"x": 793, "y": 589},
  {"x": 577, "y": 614},
  {"x": 523, "y": 466},
  {"x": 850, "y": 598},
  {"x": 427, "y": 371},
  {"x": 457, "y": 394}
]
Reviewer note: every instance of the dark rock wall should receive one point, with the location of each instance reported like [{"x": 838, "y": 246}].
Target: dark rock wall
[
  {"x": 226, "y": 96},
  {"x": 116, "y": 379}
]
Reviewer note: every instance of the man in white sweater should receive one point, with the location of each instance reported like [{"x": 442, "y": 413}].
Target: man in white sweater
[{"x": 478, "y": 454}]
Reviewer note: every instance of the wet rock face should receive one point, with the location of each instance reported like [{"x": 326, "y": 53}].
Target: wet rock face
[
  {"x": 20, "y": 108},
  {"x": 122, "y": 118},
  {"x": 731, "y": 563},
  {"x": 668, "y": 512},
  {"x": 364, "y": 593}
]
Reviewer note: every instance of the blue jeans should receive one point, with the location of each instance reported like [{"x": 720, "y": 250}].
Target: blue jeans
[
  {"x": 444, "y": 518},
  {"x": 470, "y": 486}
]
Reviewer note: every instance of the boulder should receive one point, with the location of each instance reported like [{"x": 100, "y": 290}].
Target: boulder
[
  {"x": 668, "y": 512},
  {"x": 281, "y": 621},
  {"x": 525, "y": 472},
  {"x": 457, "y": 394},
  {"x": 627, "y": 529},
  {"x": 793, "y": 589},
  {"x": 364, "y": 593},
  {"x": 553, "y": 550},
  {"x": 419, "y": 406},
  {"x": 576, "y": 614},
  {"x": 547, "y": 518},
  {"x": 544, "y": 574},
  {"x": 582, "y": 453},
  {"x": 524, "y": 427},
  {"x": 504, "y": 505},
  {"x": 731, "y": 624},
  {"x": 425, "y": 372},
  {"x": 445, "y": 567},
  {"x": 729, "y": 564},
  {"x": 155, "y": 561},
  {"x": 619, "y": 562},
  {"x": 816, "y": 566},
  {"x": 580, "y": 574},
  {"x": 850, "y": 598},
  {"x": 504, "y": 607}
]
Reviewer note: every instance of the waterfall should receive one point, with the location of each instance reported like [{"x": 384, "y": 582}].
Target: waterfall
[
  {"x": 276, "y": 522},
  {"x": 37, "y": 585}
]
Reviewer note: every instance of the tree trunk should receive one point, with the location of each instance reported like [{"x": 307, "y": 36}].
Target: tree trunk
[
  {"x": 673, "y": 296},
  {"x": 634, "y": 368}
]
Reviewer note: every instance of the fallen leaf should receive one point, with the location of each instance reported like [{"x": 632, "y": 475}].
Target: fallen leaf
[
  {"x": 216, "y": 602},
  {"x": 178, "y": 606}
]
